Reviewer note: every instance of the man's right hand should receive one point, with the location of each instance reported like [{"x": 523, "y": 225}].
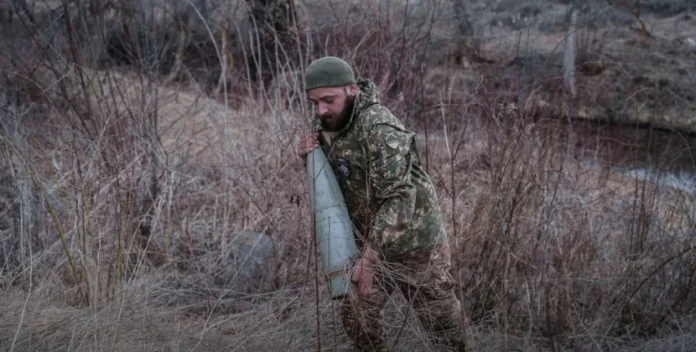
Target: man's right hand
[
  {"x": 363, "y": 272},
  {"x": 307, "y": 144}
]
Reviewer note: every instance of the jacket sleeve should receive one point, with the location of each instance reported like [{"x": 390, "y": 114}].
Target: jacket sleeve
[{"x": 390, "y": 180}]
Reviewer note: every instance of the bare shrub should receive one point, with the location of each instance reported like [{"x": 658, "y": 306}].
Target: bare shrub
[
  {"x": 147, "y": 171},
  {"x": 550, "y": 247}
]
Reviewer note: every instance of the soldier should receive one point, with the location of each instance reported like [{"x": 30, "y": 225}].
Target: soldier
[{"x": 392, "y": 203}]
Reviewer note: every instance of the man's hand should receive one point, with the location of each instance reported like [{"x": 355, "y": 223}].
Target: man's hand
[
  {"x": 307, "y": 144},
  {"x": 363, "y": 271}
]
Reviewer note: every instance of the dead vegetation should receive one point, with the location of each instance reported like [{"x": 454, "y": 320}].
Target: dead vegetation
[{"x": 127, "y": 178}]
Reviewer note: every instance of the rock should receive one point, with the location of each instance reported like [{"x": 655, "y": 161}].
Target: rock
[
  {"x": 246, "y": 261},
  {"x": 686, "y": 44},
  {"x": 221, "y": 272},
  {"x": 690, "y": 43}
]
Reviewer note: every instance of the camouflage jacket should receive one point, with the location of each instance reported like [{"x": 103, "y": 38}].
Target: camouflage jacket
[{"x": 390, "y": 198}]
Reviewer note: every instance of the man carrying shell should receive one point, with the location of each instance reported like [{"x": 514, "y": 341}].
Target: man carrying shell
[{"x": 393, "y": 206}]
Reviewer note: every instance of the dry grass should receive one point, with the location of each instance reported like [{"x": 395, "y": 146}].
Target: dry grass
[
  {"x": 556, "y": 251},
  {"x": 137, "y": 188}
]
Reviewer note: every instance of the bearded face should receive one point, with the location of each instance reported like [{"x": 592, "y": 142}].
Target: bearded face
[
  {"x": 333, "y": 106},
  {"x": 335, "y": 122}
]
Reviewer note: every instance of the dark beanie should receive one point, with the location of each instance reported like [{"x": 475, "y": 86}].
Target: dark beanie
[{"x": 329, "y": 71}]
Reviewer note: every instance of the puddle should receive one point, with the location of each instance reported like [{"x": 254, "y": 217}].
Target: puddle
[{"x": 662, "y": 157}]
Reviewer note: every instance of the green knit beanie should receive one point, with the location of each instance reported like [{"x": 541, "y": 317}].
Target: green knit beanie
[{"x": 329, "y": 71}]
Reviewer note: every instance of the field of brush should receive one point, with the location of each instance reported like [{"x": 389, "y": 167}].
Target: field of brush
[{"x": 151, "y": 199}]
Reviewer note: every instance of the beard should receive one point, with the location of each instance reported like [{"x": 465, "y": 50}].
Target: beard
[{"x": 343, "y": 116}]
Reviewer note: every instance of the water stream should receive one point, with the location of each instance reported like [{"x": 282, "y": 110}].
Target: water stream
[
  {"x": 664, "y": 157},
  {"x": 658, "y": 156}
]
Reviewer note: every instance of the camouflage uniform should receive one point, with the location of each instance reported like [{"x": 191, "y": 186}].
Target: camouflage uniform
[{"x": 394, "y": 209}]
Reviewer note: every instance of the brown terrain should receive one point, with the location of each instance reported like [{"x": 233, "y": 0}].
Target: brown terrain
[{"x": 151, "y": 200}]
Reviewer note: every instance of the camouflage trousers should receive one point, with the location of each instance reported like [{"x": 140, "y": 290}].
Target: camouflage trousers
[{"x": 426, "y": 283}]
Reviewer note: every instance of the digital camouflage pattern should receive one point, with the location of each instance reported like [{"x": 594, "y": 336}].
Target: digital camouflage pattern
[
  {"x": 394, "y": 208},
  {"x": 428, "y": 285},
  {"x": 390, "y": 198}
]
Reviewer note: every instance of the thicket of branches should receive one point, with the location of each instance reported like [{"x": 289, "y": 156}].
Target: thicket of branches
[{"x": 137, "y": 136}]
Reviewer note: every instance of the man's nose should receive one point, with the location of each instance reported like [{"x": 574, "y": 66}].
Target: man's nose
[{"x": 322, "y": 110}]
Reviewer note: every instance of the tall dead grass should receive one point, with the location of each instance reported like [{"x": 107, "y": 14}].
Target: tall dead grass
[
  {"x": 143, "y": 185},
  {"x": 552, "y": 247}
]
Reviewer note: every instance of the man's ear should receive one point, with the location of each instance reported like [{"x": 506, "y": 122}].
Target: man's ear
[{"x": 352, "y": 90}]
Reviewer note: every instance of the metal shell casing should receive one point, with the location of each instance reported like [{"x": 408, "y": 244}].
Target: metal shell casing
[{"x": 334, "y": 230}]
